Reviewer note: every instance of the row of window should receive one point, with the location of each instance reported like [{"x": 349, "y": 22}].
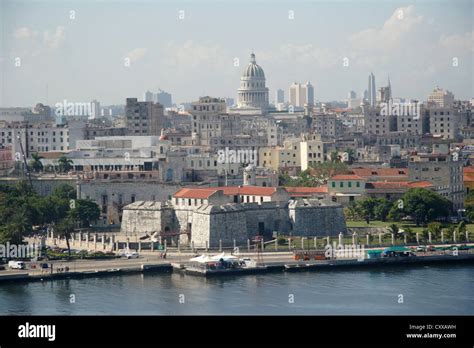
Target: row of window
[{"x": 341, "y": 184}]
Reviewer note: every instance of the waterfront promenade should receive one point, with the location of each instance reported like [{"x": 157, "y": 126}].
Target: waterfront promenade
[{"x": 273, "y": 261}]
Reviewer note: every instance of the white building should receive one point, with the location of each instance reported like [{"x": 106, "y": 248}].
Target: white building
[
  {"x": 371, "y": 95},
  {"x": 95, "y": 110},
  {"x": 300, "y": 95},
  {"x": 252, "y": 93}
]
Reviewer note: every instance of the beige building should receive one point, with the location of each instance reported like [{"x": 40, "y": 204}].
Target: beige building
[
  {"x": 444, "y": 171},
  {"x": 441, "y": 98},
  {"x": 210, "y": 120},
  {"x": 295, "y": 152}
]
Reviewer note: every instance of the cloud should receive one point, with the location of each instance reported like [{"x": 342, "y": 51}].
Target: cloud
[
  {"x": 191, "y": 55},
  {"x": 53, "y": 40},
  {"x": 463, "y": 42},
  {"x": 136, "y": 54},
  {"x": 301, "y": 55}
]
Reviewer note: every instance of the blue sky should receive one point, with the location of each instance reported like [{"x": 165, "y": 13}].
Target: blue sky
[{"x": 83, "y": 58}]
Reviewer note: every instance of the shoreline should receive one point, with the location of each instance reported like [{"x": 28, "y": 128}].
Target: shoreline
[{"x": 99, "y": 268}]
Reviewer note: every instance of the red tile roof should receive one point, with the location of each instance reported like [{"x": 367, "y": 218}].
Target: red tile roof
[
  {"x": 369, "y": 172},
  {"x": 198, "y": 193},
  {"x": 203, "y": 193},
  {"x": 306, "y": 190},
  {"x": 346, "y": 177},
  {"x": 468, "y": 174},
  {"x": 386, "y": 185}
]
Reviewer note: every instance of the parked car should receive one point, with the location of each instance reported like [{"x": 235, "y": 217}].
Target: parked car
[
  {"x": 132, "y": 255},
  {"x": 16, "y": 265}
]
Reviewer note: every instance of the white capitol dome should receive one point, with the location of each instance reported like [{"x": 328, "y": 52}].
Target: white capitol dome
[
  {"x": 253, "y": 69},
  {"x": 252, "y": 93}
]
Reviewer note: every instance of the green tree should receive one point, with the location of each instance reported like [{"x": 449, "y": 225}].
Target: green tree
[
  {"x": 350, "y": 155},
  {"x": 35, "y": 163},
  {"x": 65, "y": 191},
  {"x": 411, "y": 235},
  {"x": 435, "y": 229},
  {"x": 85, "y": 212},
  {"x": 393, "y": 229},
  {"x": 335, "y": 158},
  {"x": 462, "y": 227},
  {"x": 425, "y": 205},
  {"x": 351, "y": 211},
  {"x": 64, "y": 164},
  {"x": 382, "y": 209},
  {"x": 322, "y": 172},
  {"x": 64, "y": 228},
  {"x": 366, "y": 208}
]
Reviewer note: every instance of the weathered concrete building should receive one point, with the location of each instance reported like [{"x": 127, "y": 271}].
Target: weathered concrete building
[{"x": 221, "y": 215}]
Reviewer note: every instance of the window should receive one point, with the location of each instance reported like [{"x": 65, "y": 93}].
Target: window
[
  {"x": 341, "y": 184},
  {"x": 358, "y": 184},
  {"x": 349, "y": 184}
]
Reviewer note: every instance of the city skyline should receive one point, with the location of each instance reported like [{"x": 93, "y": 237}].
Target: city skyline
[{"x": 411, "y": 43}]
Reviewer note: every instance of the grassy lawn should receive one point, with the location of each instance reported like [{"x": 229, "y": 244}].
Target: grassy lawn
[
  {"x": 400, "y": 224},
  {"x": 308, "y": 243}
]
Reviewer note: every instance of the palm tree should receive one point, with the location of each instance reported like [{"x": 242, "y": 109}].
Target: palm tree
[
  {"x": 393, "y": 229},
  {"x": 65, "y": 227},
  {"x": 64, "y": 164},
  {"x": 335, "y": 157},
  {"x": 350, "y": 155},
  {"x": 35, "y": 162}
]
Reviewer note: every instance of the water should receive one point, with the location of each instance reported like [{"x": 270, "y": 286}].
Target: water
[{"x": 426, "y": 290}]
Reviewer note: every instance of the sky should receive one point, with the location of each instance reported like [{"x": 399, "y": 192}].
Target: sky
[{"x": 77, "y": 51}]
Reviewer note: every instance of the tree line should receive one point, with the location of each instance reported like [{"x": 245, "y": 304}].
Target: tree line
[
  {"x": 418, "y": 204},
  {"x": 22, "y": 210}
]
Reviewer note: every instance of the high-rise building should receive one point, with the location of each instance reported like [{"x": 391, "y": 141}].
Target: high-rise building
[
  {"x": 95, "y": 110},
  {"x": 365, "y": 95},
  {"x": 300, "y": 95},
  {"x": 279, "y": 96},
  {"x": 148, "y": 96},
  {"x": 385, "y": 93},
  {"x": 352, "y": 95},
  {"x": 163, "y": 98},
  {"x": 144, "y": 118},
  {"x": 252, "y": 93},
  {"x": 372, "y": 97},
  {"x": 441, "y": 98},
  {"x": 210, "y": 120},
  {"x": 309, "y": 89}
]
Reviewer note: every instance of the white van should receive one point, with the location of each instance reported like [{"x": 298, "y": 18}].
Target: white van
[{"x": 16, "y": 264}]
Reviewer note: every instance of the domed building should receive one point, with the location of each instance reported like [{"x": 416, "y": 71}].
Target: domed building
[{"x": 252, "y": 93}]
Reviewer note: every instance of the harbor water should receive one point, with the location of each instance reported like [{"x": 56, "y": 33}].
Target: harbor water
[{"x": 420, "y": 290}]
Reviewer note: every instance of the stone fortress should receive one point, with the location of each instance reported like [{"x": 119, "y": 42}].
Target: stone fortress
[{"x": 218, "y": 216}]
